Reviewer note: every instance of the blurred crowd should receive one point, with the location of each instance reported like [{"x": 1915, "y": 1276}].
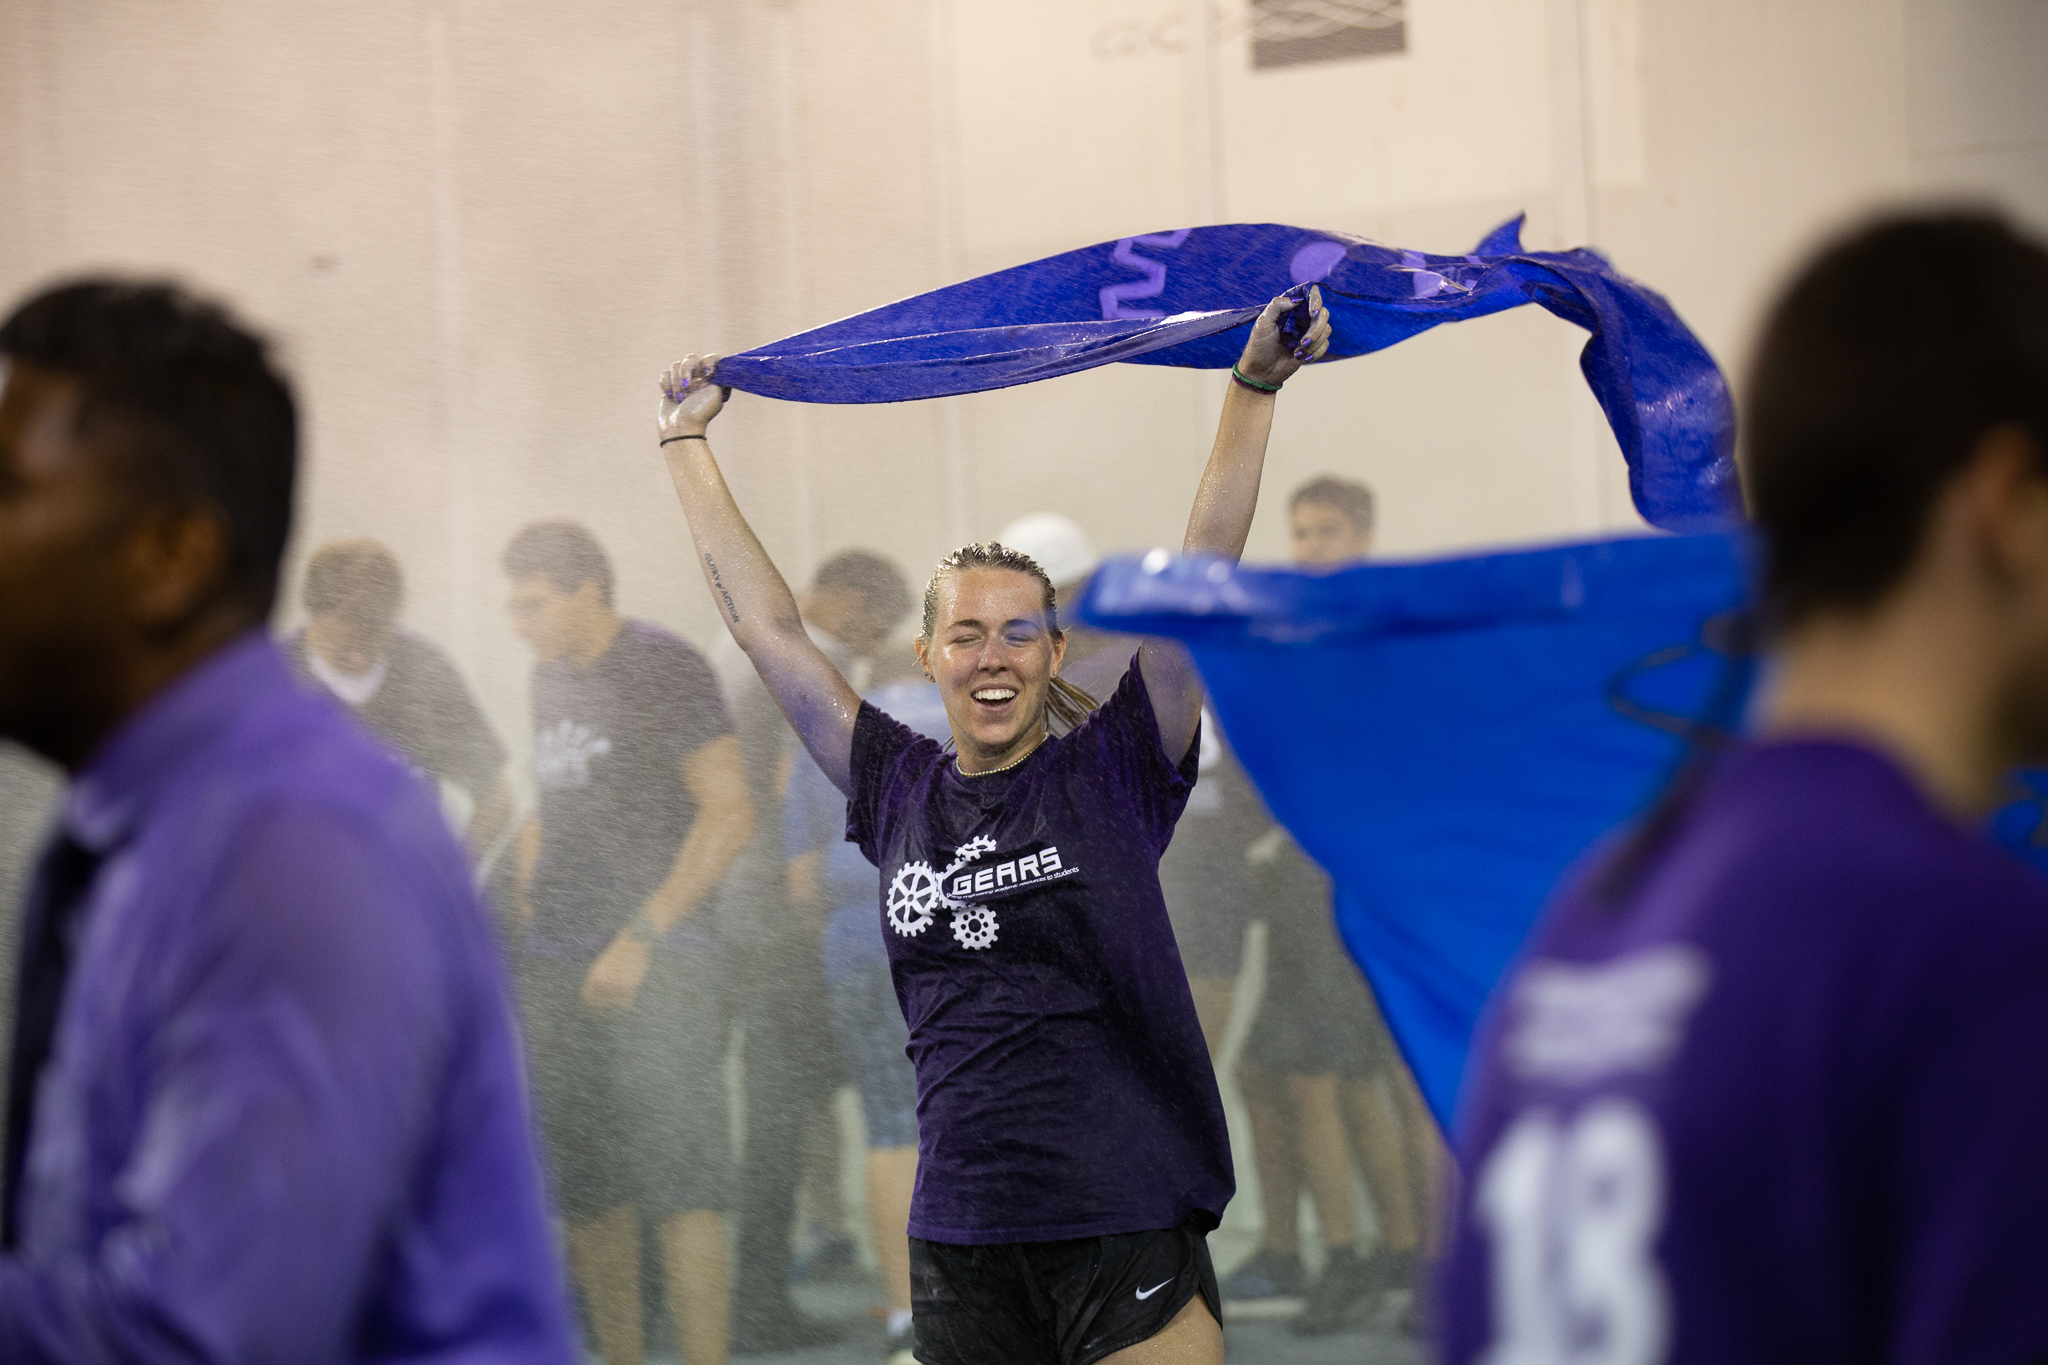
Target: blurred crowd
[{"x": 661, "y": 772}]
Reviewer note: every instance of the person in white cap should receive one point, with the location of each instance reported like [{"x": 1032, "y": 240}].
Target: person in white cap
[{"x": 1095, "y": 659}]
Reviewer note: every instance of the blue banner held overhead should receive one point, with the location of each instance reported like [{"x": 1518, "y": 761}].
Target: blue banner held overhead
[
  {"x": 1446, "y": 738},
  {"x": 1188, "y": 298}
]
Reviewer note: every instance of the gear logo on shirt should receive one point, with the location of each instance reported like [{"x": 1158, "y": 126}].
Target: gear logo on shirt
[
  {"x": 917, "y": 892},
  {"x": 562, "y": 755},
  {"x": 975, "y": 927},
  {"x": 913, "y": 895}
]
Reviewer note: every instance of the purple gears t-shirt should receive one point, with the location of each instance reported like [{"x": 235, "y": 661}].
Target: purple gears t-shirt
[
  {"x": 1063, "y": 1088},
  {"x": 1784, "y": 1100}
]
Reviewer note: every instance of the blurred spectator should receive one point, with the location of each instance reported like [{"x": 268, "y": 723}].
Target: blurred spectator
[
  {"x": 825, "y": 870},
  {"x": 643, "y": 807},
  {"x": 1206, "y": 877},
  {"x": 791, "y": 1068},
  {"x": 1321, "y": 1076},
  {"x": 264, "y": 1099},
  {"x": 1766, "y": 1082},
  {"x": 399, "y": 684}
]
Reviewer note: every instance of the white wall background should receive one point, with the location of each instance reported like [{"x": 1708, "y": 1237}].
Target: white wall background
[{"x": 481, "y": 229}]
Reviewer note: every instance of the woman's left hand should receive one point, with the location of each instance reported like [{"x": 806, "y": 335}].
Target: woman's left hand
[{"x": 1267, "y": 358}]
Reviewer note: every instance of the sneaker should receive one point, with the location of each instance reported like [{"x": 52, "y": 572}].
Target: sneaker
[
  {"x": 760, "y": 1335},
  {"x": 1346, "y": 1282},
  {"x": 896, "y": 1349},
  {"x": 1404, "y": 1270},
  {"x": 1268, "y": 1274},
  {"x": 834, "y": 1259}
]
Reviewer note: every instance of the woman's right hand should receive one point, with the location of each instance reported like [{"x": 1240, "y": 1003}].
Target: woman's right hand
[
  {"x": 1267, "y": 358},
  {"x": 689, "y": 400}
]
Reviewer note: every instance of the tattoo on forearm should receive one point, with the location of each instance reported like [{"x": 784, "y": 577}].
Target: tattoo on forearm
[{"x": 719, "y": 583}]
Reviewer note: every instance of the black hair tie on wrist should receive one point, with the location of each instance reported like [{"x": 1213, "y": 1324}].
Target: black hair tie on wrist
[{"x": 666, "y": 439}]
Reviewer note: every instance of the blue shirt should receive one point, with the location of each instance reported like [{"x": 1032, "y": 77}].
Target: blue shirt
[
  {"x": 1063, "y": 1087},
  {"x": 814, "y": 820},
  {"x": 1785, "y": 1099},
  {"x": 283, "y": 1117}
]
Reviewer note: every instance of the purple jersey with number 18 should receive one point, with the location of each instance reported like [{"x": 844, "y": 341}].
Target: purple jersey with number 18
[{"x": 1783, "y": 1099}]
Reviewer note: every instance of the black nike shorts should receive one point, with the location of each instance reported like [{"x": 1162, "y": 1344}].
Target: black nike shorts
[{"x": 1054, "y": 1303}]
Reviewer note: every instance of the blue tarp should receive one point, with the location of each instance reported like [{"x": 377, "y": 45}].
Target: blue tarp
[
  {"x": 1445, "y": 738},
  {"x": 1188, "y": 298}
]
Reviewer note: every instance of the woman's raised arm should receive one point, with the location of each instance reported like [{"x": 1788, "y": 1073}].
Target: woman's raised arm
[
  {"x": 1229, "y": 493},
  {"x": 753, "y": 600}
]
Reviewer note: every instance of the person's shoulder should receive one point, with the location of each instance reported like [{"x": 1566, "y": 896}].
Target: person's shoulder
[
  {"x": 295, "y": 772},
  {"x": 916, "y": 705},
  {"x": 316, "y": 756},
  {"x": 1125, "y": 714},
  {"x": 1831, "y": 846},
  {"x": 414, "y": 652},
  {"x": 646, "y": 644},
  {"x": 888, "y": 748}
]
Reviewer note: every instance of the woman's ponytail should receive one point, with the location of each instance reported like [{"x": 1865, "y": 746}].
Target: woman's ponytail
[{"x": 1067, "y": 705}]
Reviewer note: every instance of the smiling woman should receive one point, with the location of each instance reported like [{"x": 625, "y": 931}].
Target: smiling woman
[
  {"x": 1072, "y": 1156},
  {"x": 980, "y": 584}
]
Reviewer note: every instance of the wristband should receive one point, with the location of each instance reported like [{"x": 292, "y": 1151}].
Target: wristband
[
  {"x": 1254, "y": 385},
  {"x": 667, "y": 439}
]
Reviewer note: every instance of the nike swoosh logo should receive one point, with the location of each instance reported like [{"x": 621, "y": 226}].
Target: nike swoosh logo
[{"x": 1148, "y": 1293}]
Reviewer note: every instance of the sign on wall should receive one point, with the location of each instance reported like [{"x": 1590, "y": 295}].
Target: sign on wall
[{"x": 1290, "y": 32}]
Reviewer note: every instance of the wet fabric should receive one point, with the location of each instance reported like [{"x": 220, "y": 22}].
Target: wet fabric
[
  {"x": 1787, "y": 1093},
  {"x": 1445, "y": 737},
  {"x": 609, "y": 742},
  {"x": 1064, "y": 1089},
  {"x": 423, "y": 709},
  {"x": 283, "y": 1117},
  {"x": 1188, "y": 298},
  {"x": 2021, "y": 825}
]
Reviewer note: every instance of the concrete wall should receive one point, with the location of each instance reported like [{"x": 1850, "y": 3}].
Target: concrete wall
[{"x": 480, "y": 230}]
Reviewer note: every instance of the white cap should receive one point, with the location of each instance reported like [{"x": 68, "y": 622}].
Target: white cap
[{"x": 1061, "y": 548}]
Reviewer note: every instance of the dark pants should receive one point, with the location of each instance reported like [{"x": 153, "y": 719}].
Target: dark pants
[{"x": 790, "y": 1069}]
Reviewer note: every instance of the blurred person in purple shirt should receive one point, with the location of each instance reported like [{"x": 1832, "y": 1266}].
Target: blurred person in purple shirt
[
  {"x": 1771, "y": 1081},
  {"x": 264, "y": 1102}
]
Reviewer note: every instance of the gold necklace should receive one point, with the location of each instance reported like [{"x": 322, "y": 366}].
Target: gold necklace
[{"x": 1043, "y": 736}]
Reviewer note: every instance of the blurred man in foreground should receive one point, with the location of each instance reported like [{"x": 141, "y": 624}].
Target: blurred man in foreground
[
  {"x": 264, "y": 1099},
  {"x": 398, "y": 683},
  {"x": 1770, "y": 1082}
]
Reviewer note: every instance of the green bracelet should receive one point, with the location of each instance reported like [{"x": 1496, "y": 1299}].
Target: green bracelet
[{"x": 1253, "y": 384}]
